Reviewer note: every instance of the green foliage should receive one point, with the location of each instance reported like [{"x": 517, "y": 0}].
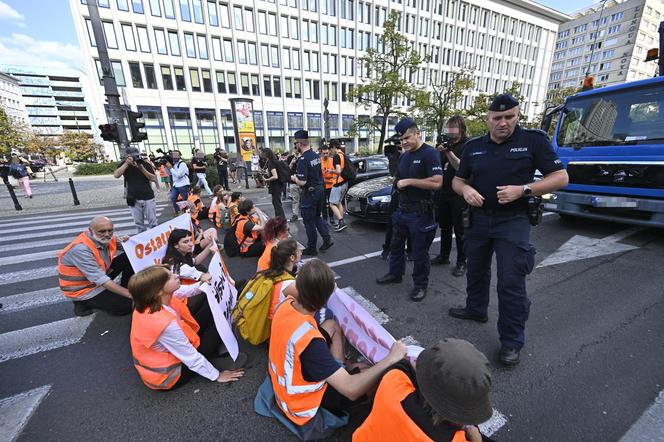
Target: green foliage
[
  {"x": 95, "y": 169},
  {"x": 80, "y": 146},
  {"x": 386, "y": 65},
  {"x": 12, "y": 135},
  {"x": 365, "y": 152},
  {"x": 477, "y": 113}
]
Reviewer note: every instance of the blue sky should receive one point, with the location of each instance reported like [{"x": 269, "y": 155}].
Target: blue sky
[{"x": 41, "y": 32}]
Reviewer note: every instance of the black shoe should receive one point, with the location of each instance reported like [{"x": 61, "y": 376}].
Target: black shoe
[
  {"x": 309, "y": 252},
  {"x": 459, "y": 270},
  {"x": 418, "y": 294},
  {"x": 508, "y": 356},
  {"x": 293, "y": 218},
  {"x": 462, "y": 313},
  {"x": 326, "y": 245},
  {"x": 341, "y": 226},
  {"x": 384, "y": 255},
  {"x": 389, "y": 279},
  {"x": 82, "y": 310},
  {"x": 439, "y": 260}
]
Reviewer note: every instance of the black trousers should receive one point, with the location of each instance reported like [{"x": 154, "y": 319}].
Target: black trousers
[
  {"x": 223, "y": 177},
  {"x": 107, "y": 301},
  {"x": 388, "y": 233},
  {"x": 256, "y": 249},
  {"x": 450, "y": 218},
  {"x": 276, "y": 189}
]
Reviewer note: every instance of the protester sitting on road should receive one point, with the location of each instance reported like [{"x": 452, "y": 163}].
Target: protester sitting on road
[
  {"x": 308, "y": 389},
  {"x": 185, "y": 258},
  {"x": 442, "y": 397},
  {"x": 247, "y": 230},
  {"x": 217, "y": 206},
  {"x": 275, "y": 230},
  {"x": 199, "y": 211},
  {"x": 88, "y": 267},
  {"x": 233, "y": 211},
  {"x": 164, "y": 335}
]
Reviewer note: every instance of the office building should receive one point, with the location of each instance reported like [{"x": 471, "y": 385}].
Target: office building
[{"x": 11, "y": 99}]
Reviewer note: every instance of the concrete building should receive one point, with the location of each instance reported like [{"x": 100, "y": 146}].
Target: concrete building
[
  {"x": 11, "y": 99},
  {"x": 54, "y": 99},
  {"x": 609, "y": 40},
  {"x": 179, "y": 61}
]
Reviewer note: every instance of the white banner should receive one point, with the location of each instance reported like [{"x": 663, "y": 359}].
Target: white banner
[
  {"x": 362, "y": 330},
  {"x": 148, "y": 248},
  {"x": 222, "y": 296}
]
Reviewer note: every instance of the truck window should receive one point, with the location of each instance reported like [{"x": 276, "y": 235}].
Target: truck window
[{"x": 623, "y": 117}]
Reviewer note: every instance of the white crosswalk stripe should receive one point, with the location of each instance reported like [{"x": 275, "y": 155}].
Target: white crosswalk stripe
[
  {"x": 60, "y": 232},
  {"x": 36, "y": 298},
  {"x": 59, "y": 242},
  {"x": 15, "y": 411},
  {"x": 26, "y": 275}
]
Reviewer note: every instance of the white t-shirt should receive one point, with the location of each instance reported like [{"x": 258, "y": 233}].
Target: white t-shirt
[{"x": 255, "y": 166}]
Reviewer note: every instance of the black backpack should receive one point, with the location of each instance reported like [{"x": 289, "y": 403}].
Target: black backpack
[
  {"x": 283, "y": 171},
  {"x": 231, "y": 247},
  {"x": 349, "y": 172}
]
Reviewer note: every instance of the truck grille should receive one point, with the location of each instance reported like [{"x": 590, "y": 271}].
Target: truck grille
[{"x": 645, "y": 176}]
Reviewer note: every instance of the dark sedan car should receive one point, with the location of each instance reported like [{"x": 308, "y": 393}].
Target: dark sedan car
[
  {"x": 370, "y": 199},
  {"x": 369, "y": 167}
]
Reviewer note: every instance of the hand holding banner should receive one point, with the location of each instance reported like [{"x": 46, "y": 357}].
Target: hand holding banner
[{"x": 149, "y": 247}]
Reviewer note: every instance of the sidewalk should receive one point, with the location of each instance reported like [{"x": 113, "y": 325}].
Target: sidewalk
[{"x": 97, "y": 191}]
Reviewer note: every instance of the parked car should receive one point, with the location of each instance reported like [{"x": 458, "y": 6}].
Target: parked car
[
  {"x": 369, "y": 167},
  {"x": 370, "y": 199}
]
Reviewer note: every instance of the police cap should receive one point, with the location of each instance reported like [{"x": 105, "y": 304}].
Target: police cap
[
  {"x": 403, "y": 125},
  {"x": 503, "y": 102},
  {"x": 301, "y": 135}
]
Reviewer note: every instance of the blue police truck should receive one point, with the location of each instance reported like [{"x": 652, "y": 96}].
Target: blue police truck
[{"x": 611, "y": 141}]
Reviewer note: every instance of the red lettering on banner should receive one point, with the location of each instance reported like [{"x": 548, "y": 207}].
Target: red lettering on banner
[
  {"x": 160, "y": 243},
  {"x": 372, "y": 354},
  {"x": 157, "y": 261},
  {"x": 152, "y": 243},
  {"x": 138, "y": 251}
]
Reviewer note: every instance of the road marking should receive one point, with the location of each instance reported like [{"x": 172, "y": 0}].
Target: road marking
[
  {"x": 16, "y": 411},
  {"x": 650, "y": 426},
  {"x": 582, "y": 247},
  {"x": 43, "y": 337},
  {"x": 27, "y": 258},
  {"x": 38, "y": 218},
  {"x": 369, "y": 306},
  {"x": 51, "y": 242},
  {"x": 27, "y": 275},
  {"x": 33, "y": 299},
  {"x": 363, "y": 257},
  {"x": 53, "y": 233}
]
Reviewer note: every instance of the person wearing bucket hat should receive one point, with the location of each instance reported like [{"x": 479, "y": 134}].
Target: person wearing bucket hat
[{"x": 443, "y": 396}]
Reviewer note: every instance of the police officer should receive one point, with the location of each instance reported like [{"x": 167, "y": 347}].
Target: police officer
[
  {"x": 418, "y": 176},
  {"x": 309, "y": 176},
  {"x": 495, "y": 177}
]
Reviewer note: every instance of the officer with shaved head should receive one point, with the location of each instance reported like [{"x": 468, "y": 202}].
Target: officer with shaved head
[{"x": 88, "y": 267}]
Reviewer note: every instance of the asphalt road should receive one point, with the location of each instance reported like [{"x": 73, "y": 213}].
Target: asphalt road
[{"x": 591, "y": 366}]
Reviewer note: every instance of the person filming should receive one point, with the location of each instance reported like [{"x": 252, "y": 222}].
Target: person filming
[{"x": 138, "y": 175}]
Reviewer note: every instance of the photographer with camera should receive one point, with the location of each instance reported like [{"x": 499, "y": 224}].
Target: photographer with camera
[
  {"x": 451, "y": 205},
  {"x": 138, "y": 173},
  {"x": 180, "y": 175}
]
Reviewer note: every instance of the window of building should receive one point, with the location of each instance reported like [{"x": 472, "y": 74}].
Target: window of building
[
  {"x": 262, "y": 22},
  {"x": 213, "y": 17},
  {"x": 185, "y": 13},
  {"x": 274, "y": 55},
  {"x": 249, "y": 20},
  {"x": 169, "y": 11},
  {"x": 251, "y": 53},
  {"x": 228, "y": 51},
  {"x": 123, "y": 5},
  {"x": 244, "y": 83},
  {"x": 194, "y": 80},
  {"x": 189, "y": 45},
  {"x": 241, "y": 52},
  {"x": 91, "y": 35},
  {"x": 160, "y": 38},
  {"x": 237, "y": 18},
  {"x": 288, "y": 87},
  {"x": 224, "y": 14},
  {"x": 617, "y": 16},
  {"x": 232, "y": 83},
  {"x": 276, "y": 86},
  {"x": 198, "y": 11},
  {"x": 137, "y": 6},
  {"x": 174, "y": 42},
  {"x": 109, "y": 32},
  {"x": 181, "y": 128},
  {"x": 216, "y": 48},
  {"x": 202, "y": 47},
  {"x": 297, "y": 88},
  {"x": 143, "y": 40},
  {"x": 221, "y": 82},
  {"x": 150, "y": 79},
  {"x": 135, "y": 73},
  {"x": 265, "y": 55},
  {"x": 267, "y": 86},
  {"x": 296, "y": 59},
  {"x": 272, "y": 24},
  {"x": 118, "y": 73},
  {"x": 179, "y": 79},
  {"x": 293, "y": 28},
  {"x": 207, "y": 80},
  {"x": 255, "y": 88}
]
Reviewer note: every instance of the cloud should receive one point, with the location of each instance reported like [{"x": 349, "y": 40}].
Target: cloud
[
  {"x": 8, "y": 13},
  {"x": 21, "y": 49}
]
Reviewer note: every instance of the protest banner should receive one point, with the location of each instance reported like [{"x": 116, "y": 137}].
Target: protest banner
[
  {"x": 362, "y": 330},
  {"x": 148, "y": 248},
  {"x": 222, "y": 296}
]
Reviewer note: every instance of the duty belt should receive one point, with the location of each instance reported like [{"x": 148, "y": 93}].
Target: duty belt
[
  {"x": 499, "y": 212},
  {"x": 421, "y": 206}
]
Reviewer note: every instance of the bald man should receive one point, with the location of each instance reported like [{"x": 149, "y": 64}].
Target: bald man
[{"x": 88, "y": 267}]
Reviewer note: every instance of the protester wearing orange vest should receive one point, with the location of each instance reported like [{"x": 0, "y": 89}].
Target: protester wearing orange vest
[
  {"x": 441, "y": 397},
  {"x": 275, "y": 230},
  {"x": 339, "y": 186},
  {"x": 88, "y": 267},
  {"x": 164, "y": 335},
  {"x": 328, "y": 177},
  {"x": 247, "y": 231},
  {"x": 308, "y": 389}
]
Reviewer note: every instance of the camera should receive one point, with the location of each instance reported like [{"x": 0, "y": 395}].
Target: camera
[
  {"x": 134, "y": 154},
  {"x": 163, "y": 159},
  {"x": 444, "y": 141}
]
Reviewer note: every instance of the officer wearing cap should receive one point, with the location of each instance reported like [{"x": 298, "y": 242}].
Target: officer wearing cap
[
  {"x": 495, "y": 177},
  {"x": 418, "y": 176},
  {"x": 309, "y": 176}
]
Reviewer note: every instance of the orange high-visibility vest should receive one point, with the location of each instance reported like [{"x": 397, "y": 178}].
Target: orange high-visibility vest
[
  {"x": 159, "y": 370},
  {"x": 73, "y": 282},
  {"x": 342, "y": 158},
  {"x": 198, "y": 205},
  {"x": 291, "y": 333},
  {"x": 264, "y": 260},
  {"x": 243, "y": 242},
  {"x": 388, "y": 422},
  {"x": 328, "y": 178}
]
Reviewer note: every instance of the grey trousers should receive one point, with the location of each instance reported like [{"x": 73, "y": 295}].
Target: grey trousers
[
  {"x": 145, "y": 214},
  {"x": 295, "y": 192}
]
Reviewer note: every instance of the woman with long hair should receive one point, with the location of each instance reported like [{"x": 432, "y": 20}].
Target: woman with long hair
[
  {"x": 275, "y": 230},
  {"x": 274, "y": 184}
]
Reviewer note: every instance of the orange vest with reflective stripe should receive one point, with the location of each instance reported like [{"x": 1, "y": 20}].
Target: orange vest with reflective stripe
[
  {"x": 240, "y": 236},
  {"x": 328, "y": 178},
  {"x": 198, "y": 205},
  {"x": 291, "y": 334},
  {"x": 158, "y": 369},
  {"x": 342, "y": 159},
  {"x": 73, "y": 282},
  {"x": 264, "y": 260},
  {"x": 388, "y": 422}
]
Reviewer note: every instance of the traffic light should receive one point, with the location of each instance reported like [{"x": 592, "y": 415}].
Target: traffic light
[
  {"x": 109, "y": 132},
  {"x": 135, "y": 126}
]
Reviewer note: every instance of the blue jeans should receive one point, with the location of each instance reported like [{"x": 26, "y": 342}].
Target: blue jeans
[
  {"x": 311, "y": 207},
  {"x": 421, "y": 229},
  {"x": 182, "y": 191},
  {"x": 508, "y": 237}
]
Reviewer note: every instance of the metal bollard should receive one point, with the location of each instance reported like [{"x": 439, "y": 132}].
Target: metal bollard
[
  {"x": 73, "y": 192},
  {"x": 246, "y": 177},
  {"x": 17, "y": 205}
]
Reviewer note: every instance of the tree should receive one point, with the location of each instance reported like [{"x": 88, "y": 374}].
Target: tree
[
  {"x": 477, "y": 113},
  {"x": 433, "y": 107},
  {"x": 12, "y": 134},
  {"x": 387, "y": 66},
  {"x": 80, "y": 146}
]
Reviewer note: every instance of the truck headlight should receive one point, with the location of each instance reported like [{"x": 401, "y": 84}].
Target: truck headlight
[{"x": 380, "y": 199}]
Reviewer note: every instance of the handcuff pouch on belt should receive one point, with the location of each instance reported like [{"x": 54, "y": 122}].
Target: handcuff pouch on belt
[{"x": 535, "y": 210}]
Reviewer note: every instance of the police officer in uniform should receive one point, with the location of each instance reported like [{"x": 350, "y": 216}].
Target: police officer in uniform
[
  {"x": 418, "y": 176},
  {"x": 309, "y": 176},
  {"x": 495, "y": 177}
]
